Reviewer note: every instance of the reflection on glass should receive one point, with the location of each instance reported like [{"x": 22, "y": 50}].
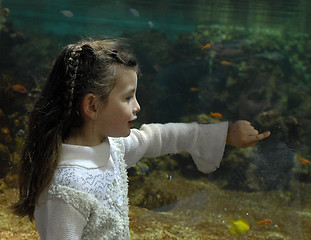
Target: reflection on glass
[{"x": 205, "y": 61}]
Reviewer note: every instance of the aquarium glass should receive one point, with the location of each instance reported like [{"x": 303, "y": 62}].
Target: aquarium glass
[{"x": 203, "y": 61}]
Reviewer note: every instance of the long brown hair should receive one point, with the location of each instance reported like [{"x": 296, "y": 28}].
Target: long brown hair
[{"x": 81, "y": 68}]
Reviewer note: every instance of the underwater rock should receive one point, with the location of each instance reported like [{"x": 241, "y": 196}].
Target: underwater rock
[
  {"x": 174, "y": 83},
  {"x": 8, "y": 39},
  {"x": 142, "y": 190},
  {"x": 286, "y": 129},
  {"x": 273, "y": 158},
  {"x": 249, "y": 106},
  {"x": 144, "y": 194},
  {"x": 234, "y": 166},
  {"x": 4, "y": 160},
  {"x": 206, "y": 119},
  {"x": 156, "y": 199},
  {"x": 147, "y": 165},
  {"x": 273, "y": 168},
  {"x": 4, "y": 12},
  {"x": 268, "y": 166},
  {"x": 5, "y": 136}
]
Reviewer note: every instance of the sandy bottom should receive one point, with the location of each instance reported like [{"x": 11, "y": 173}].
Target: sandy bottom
[{"x": 202, "y": 211}]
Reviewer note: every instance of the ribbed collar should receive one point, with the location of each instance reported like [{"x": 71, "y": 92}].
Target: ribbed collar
[{"x": 86, "y": 156}]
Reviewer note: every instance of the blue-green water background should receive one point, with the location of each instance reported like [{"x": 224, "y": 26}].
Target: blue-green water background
[
  {"x": 267, "y": 80},
  {"x": 110, "y": 17}
]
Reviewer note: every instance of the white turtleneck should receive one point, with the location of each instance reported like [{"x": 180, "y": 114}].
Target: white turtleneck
[
  {"x": 87, "y": 198},
  {"x": 85, "y": 156}
]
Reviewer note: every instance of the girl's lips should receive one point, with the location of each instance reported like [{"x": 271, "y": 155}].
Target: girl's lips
[{"x": 131, "y": 122}]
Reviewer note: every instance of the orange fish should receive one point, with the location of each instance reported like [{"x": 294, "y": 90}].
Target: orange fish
[
  {"x": 304, "y": 161},
  {"x": 264, "y": 221},
  {"x": 225, "y": 63},
  {"x": 5, "y": 130},
  {"x": 216, "y": 115},
  {"x": 17, "y": 88},
  {"x": 193, "y": 89},
  {"x": 206, "y": 46}
]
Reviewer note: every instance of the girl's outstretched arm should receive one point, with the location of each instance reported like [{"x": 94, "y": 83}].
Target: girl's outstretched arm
[
  {"x": 243, "y": 134},
  {"x": 205, "y": 142}
]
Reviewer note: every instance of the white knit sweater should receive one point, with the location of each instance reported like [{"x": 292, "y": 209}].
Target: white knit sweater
[{"x": 88, "y": 196}]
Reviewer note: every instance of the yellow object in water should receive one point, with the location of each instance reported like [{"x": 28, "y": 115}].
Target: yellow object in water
[{"x": 239, "y": 226}]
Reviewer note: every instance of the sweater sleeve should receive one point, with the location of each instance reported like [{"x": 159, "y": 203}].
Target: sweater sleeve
[
  {"x": 56, "y": 219},
  {"x": 205, "y": 142}
]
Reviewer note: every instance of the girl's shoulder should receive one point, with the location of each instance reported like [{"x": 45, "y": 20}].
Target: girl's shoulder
[
  {"x": 116, "y": 148},
  {"x": 116, "y": 143}
]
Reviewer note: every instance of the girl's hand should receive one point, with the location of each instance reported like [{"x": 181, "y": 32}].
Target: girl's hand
[{"x": 243, "y": 134}]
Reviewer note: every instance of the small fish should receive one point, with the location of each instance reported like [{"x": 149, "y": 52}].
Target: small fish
[
  {"x": 134, "y": 12},
  {"x": 169, "y": 178},
  {"x": 206, "y": 46},
  {"x": 17, "y": 88},
  {"x": 150, "y": 24},
  {"x": 216, "y": 115},
  {"x": 20, "y": 133},
  {"x": 225, "y": 63},
  {"x": 67, "y": 13},
  {"x": 194, "y": 89},
  {"x": 144, "y": 168},
  {"x": 264, "y": 221},
  {"x": 4, "y": 12},
  {"x": 239, "y": 226},
  {"x": 5, "y": 130},
  {"x": 304, "y": 161},
  {"x": 276, "y": 56}
]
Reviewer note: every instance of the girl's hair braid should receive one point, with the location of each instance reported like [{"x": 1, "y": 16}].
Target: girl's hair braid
[
  {"x": 82, "y": 68},
  {"x": 72, "y": 64}
]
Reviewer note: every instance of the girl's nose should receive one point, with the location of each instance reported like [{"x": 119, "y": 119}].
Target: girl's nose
[{"x": 136, "y": 107}]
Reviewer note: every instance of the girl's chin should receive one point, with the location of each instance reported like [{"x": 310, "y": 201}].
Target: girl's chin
[{"x": 126, "y": 134}]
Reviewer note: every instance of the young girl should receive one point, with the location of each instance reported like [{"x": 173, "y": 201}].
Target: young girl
[{"x": 73, "y": 177}]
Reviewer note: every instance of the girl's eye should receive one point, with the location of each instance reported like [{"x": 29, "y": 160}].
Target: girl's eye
[{"x": 129, "y": 98}]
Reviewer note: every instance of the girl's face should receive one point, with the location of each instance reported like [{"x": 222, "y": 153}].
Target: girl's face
[{"x": 116, "y": 115}]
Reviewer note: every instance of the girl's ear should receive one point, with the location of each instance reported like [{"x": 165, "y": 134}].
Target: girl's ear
[{"x": 89, "y": 106}]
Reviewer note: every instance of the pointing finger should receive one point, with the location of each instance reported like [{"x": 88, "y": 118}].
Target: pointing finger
[
  {"x": 255, "y": 138},
  {"x": 262, "y": 136}
]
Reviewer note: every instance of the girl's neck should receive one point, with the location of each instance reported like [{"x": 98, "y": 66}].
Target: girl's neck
[{"x": 82, "y": 137}]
